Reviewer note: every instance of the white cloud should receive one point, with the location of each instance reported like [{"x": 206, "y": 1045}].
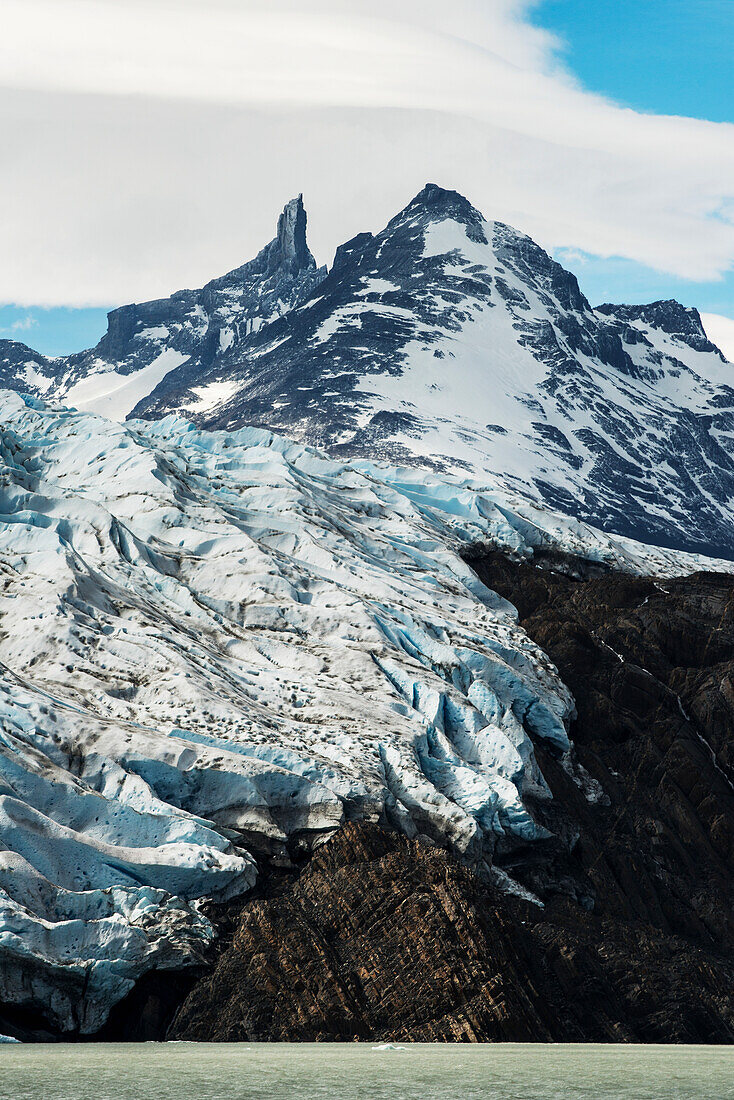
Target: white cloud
[
  {"x": 22, "y": 324},
  {"x": 149, "y": 143},
  {"x": 720, "y": 331}
]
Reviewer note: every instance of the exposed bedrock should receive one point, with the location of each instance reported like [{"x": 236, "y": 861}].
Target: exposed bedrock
[
  {"x": 384, "y": 937},
  {"x": 651, "y": 668}
]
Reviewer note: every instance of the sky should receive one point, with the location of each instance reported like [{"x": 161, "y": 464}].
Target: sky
[{"x": 150, "y": 144}]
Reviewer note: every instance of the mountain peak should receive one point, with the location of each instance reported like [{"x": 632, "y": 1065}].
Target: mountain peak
[
  {"x": 291, "y": 248},
  {"x": 444, "y": 340},
  {"x": 669, "y": 315},
  {"x": 432, "y": 196},
  {"x": 286, "y": 257},
  {"x": 435, "y": 203}
]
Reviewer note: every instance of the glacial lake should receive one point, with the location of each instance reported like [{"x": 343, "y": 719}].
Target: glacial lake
[{"x": 309, "y": 1071}]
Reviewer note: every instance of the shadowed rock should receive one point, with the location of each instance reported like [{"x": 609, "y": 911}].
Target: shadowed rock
[{"x": 382, "y": 937}]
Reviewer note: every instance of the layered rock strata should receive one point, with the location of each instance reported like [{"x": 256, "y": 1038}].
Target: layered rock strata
[{"x": 630, "y": 937}]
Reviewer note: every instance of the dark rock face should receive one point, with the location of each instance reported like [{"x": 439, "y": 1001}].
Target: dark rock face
[
  {"x": 651, "y": 667},
  {"x": 668, "y": 316},
  {"x": 385, "y": 938},
  {"x": 381, "y": 937}
]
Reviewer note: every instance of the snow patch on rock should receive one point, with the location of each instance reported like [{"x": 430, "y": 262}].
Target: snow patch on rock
[{"x": 113, "y": 394}]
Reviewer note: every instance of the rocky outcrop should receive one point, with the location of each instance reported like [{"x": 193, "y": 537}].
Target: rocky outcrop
[
  {"x": 683, "y": 322},
  {"x": 380, "y": 936},
  {"x": 651, "y": 667},
  {"x": 630, "y": 937},
  {"x": 291, "y": 251},
  {"x": 385, "y": 938}
]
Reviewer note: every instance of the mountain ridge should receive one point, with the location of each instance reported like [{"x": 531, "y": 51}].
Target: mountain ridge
[{"x": 446, "y": 341}]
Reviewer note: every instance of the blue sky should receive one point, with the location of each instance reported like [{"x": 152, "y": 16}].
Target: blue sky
[
  {"x": 661, "y": 56},
  {"x": 53, "y": 331},
  {"x": 108, "y": 197},
  {"x": 664, "y": 56}
]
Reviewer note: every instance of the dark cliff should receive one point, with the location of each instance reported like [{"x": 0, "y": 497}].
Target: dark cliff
[{"x": 381, "y": 937}]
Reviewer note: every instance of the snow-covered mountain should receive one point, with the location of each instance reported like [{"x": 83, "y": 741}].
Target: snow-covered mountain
[
  {"x": 219, "y": 647},
  {"x": 445, "y": 341},
  {"x": 144, "y": 343}
]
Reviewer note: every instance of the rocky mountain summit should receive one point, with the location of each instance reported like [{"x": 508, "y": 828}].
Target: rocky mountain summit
[
  {"x": 193, "y": 328},
  {"x": 444, "y": 341}
]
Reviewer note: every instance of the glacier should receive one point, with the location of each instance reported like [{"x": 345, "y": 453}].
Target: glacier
[{"x": 215, "y": 649}]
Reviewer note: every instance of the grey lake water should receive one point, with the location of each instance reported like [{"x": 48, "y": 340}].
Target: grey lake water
[{"x": 187, "y": 1071}]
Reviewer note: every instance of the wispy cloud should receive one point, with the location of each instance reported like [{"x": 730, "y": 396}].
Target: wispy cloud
[
  {"x": 21, "y": 324},
  {"x": 149, "y": 142}
]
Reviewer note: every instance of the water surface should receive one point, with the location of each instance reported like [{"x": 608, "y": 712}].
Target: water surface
[{"x": 350, "y": 1071}]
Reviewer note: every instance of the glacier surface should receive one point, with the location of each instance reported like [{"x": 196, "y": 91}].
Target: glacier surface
[{"x": 217, "y": 647}]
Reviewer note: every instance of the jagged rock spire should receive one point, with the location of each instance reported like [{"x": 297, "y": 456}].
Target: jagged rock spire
[{"x": 291, "y": 247}]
